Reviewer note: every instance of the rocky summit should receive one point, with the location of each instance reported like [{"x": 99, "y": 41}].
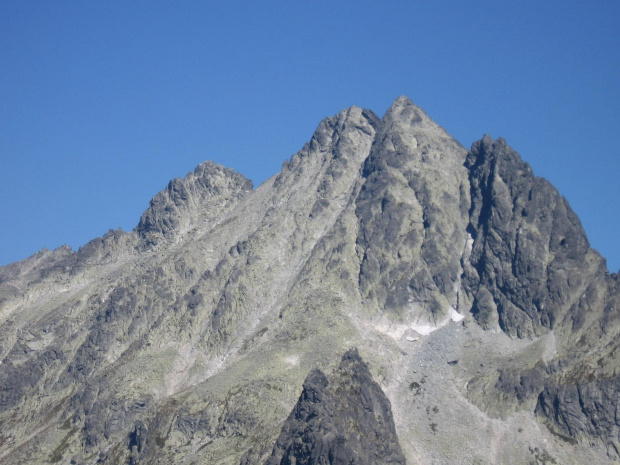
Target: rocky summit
[{"x": 388, "y": 297}]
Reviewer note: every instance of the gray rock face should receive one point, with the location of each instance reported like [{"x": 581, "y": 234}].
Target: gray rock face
[
  {"x": 584, "y": 409},
  {"x": 466, "y": 283},
  {"x": 202, "y": 196},
  {"x": 345, "y": 419},
  {"x": 531, "y": 271},
  {"x": 529, "y": 251},
  {"x": 411, "y": 217}
]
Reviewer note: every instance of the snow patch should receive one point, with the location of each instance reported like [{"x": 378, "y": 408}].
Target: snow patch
[
  {"x": 400, "y": 331},
  {"x": 292, "y": 360},
  {"x": 397, "y": 331},
  {"x": 454, "y": 315},
  {"x": 424, "y": 329}
]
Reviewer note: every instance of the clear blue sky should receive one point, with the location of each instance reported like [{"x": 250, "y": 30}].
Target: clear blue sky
[{"x": 103, "y": 102}]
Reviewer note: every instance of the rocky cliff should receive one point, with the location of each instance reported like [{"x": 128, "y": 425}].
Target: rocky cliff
[
  {"x": 487, "y": 324},
  {"x": 341, "y": 420}
]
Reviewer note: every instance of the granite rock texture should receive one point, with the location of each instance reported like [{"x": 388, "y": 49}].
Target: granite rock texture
[{"x": 487, "y": 325}]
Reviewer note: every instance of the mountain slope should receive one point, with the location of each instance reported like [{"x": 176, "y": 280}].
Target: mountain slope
[{"x": 467, "y": 284}]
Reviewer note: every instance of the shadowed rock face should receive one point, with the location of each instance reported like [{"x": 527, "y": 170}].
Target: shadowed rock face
[
  {"x": 188, "y": 339},
  {"x": 583, "y": 409},
  {"x": 343, "y": 419},
  {"x": 531, "y": 271},
  {"x": 529, "y": 253},
  {"x": 412, "y": 213}
]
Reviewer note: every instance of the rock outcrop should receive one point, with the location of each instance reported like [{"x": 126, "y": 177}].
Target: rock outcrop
[
  {"x": 532, "y": 272},
  {"x": 529, "y": 261},
  {"x": 196, "y": 201},
  {"x": 412, "y": 212},
  {"x": 340, "y": 420}
]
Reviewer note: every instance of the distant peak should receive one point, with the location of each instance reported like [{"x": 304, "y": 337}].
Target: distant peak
[
  {"x": 403, "y": 100},
  {"x": 403, "y": 109},
  {"x": 202, "y": 197},
  {"x": 357, "y": 115},
  {"x": 487, "y": 144}
]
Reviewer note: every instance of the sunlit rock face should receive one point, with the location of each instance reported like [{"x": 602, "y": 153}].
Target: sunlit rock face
[{"x": 486, "y": 328}]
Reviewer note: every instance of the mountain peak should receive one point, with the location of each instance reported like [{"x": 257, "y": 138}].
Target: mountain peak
[
  {"x": 404, "y": 108},
  {"x": 202, "y": 196},
  {"x": 189, "y": 339},
  {"x": 403, "y": 101}
]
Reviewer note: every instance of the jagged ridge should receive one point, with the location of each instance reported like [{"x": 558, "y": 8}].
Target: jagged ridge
[{"x": 189, "y": 338}]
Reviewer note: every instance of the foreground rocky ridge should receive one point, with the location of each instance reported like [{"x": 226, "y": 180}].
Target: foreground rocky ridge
[
  {"x": 341, "y": 420},
  {"x": 466, "y": 282}
]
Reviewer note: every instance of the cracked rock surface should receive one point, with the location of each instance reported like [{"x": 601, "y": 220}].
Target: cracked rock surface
[{"x": 487, "y": 326}]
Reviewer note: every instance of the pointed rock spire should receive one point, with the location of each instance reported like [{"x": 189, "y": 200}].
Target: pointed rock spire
[{"x": 340, "y": 420}]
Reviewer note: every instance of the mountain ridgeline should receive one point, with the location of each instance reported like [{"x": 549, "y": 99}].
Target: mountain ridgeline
[{"x": 389, "y": 297}]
